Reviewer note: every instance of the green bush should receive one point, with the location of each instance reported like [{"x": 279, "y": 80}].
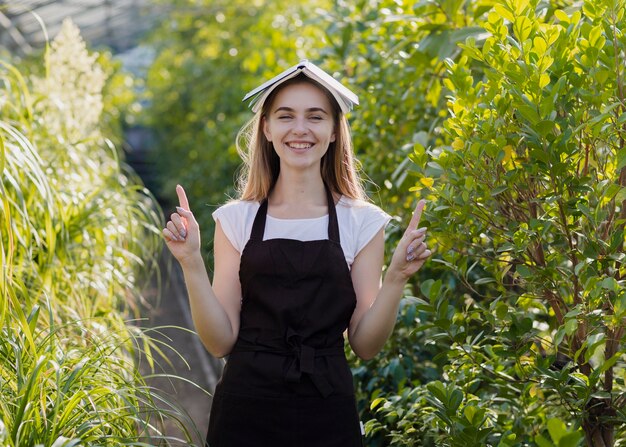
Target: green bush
[
  {"x": 529, "y": 185},
  {"x": 79, "y": 238}
]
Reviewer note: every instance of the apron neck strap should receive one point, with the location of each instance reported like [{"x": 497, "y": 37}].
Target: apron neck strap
[
  {"x": 333, "y": 224},
  {"x": 258, "y": 227}
]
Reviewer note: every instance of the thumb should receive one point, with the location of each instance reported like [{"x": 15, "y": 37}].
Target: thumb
[{"x": 185, "y": 214}]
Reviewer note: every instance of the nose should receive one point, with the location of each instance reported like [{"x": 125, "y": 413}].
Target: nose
[{"x": 300, "y": 127}]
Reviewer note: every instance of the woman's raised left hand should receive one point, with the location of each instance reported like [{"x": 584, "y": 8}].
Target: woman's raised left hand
[{"x": 411, "y": 252}]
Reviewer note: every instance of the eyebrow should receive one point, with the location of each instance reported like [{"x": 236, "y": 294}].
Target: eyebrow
[{"x": 309, "y": 110}]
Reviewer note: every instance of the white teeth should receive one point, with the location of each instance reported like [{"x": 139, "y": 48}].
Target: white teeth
[{"x": 300, "y": 145}]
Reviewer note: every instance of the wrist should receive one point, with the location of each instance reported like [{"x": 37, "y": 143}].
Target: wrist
[
  {"x": 395, "y": 278},
  {"x": 192, "y": 261}
]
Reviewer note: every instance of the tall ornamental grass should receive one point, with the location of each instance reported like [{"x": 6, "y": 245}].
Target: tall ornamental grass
[{"x": 79, "y": 238}]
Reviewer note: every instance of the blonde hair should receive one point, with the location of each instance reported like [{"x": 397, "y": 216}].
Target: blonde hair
[{"x": 261, "y": 165}]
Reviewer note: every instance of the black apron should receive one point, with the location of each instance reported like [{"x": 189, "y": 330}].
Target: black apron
[{"x": 287, "y": 382}]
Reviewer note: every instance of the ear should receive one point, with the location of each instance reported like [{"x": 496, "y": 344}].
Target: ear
[
  {"x": 266, "y": 130},
  {"x": 332, "y": 137}
]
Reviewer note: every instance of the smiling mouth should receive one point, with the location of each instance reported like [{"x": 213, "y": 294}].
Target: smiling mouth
[{"x": 300, "y": 145}]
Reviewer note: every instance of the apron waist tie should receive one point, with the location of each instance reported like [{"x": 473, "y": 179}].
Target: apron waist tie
[{"x": 303, "y": 359}]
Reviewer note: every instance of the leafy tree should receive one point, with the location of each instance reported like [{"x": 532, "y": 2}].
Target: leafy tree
[{"x": 530, "y": 188}]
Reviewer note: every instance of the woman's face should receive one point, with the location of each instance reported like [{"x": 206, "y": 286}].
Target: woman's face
[{"x": 300, "y": 125}]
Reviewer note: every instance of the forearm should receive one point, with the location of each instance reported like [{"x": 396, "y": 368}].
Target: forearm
[
  {"x": 209, "y": 317},
  {"x": 372, "y": 325},
  {"x": 377, "y": 324}
]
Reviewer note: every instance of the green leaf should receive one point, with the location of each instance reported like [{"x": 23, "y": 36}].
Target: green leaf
[
  {"x": 502, "y": 310},
  {"x": 426, "y": 286},
  {"x": 589, "y": 9},
  {"x": 530, "y": 113},
  {"x": 571, "y": 439},
  {"x": 545, "y": 127},
  {"x": 524, "y": 271},
  {"x": 520, "y": 7},
  {"x": 611, "y": 190},
  {"x": 438, "y": 390},
  {"x": 570, "y": 326},
  {"x": 543, "y": 442},
  {"x": 592, "y": 343},
  {"x": 621, "y": 195},
  {"x": 456, "y": 398},
  {"x": 621, "y": 157},
  {"x": 559, "y": 335},
  {"x": 558, "y": 88},
  {"x": 504, "y": 12},
  {"x": 499, "y": 190},
  {"x": 376, "y": 402},
  {"x": 522, "y": 28},
  {"x": 562, "y": 16},
  {"x": 557, "y": 429},
  {"x": 582, "y": 379},
  {"x": 487, "y": 280},
  {"x": 508, "y": 438},
  {"x": 594, "y": 35},
  {"x": 540, "y": 45},
  {"x": 574, "y": 312},
  {"x": 605, "y": 114},
  {"x": 579, "y": 267},
  {"x": 609, "y": 283},
  {"x": 539, "y": 155}
]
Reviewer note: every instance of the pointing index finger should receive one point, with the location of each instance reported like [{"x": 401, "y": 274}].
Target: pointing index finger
[
  {"x": 417, "y": 215},
  {"x": 182, "y": 197}
]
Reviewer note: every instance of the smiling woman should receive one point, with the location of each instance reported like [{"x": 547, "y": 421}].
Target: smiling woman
[{"x": 298, "y": 262}]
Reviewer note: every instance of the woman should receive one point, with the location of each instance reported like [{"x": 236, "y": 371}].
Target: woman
[{"x": 298, "y": 261}]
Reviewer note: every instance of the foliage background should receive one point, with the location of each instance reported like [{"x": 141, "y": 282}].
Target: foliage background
[
  {"x": 508, "y": 117},
  {"x": 79, "y": 239}
]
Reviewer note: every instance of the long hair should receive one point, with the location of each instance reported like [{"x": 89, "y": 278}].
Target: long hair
[{"x": 261, "y": 165}]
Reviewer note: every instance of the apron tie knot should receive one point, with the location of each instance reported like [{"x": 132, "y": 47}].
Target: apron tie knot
[{"x": 303, "y": 361}]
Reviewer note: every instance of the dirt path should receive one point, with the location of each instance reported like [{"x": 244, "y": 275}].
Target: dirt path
[{"x": 189, "y": 360}]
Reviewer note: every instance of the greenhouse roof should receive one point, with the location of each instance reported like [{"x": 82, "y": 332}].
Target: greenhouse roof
[{"x": 116, "y": 24}]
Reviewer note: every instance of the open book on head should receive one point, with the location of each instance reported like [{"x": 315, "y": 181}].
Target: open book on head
[{"x": 345, "y": 97}]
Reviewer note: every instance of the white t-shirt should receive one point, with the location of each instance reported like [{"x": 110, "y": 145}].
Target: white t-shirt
[{"x": 359, "y": 222}]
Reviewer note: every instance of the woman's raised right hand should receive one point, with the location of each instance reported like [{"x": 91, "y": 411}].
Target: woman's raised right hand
[{"x": 182, "y": 233}]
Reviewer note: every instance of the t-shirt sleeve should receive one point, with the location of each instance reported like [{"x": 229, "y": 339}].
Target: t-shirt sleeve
[
  {"x": 372, "y": 220},
  {"x": 233, "y": 221}
]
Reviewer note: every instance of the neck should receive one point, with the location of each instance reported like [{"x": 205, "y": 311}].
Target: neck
[{"x": 301, "y": 189}]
